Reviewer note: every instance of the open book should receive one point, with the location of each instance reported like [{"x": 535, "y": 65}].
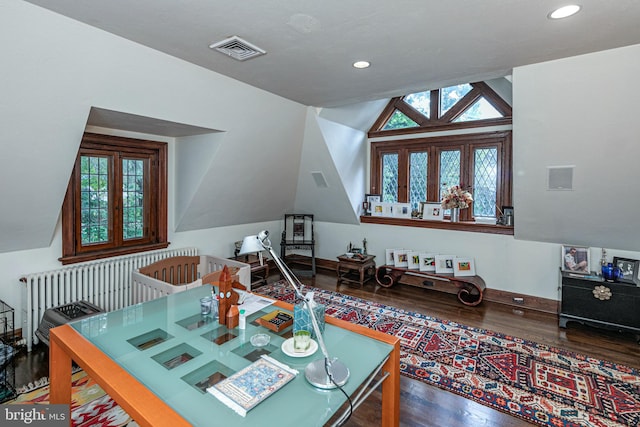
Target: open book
[{"x": 251, "y": 385}]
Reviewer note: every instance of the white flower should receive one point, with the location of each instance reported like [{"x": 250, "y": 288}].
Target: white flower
[{"x": 456, "y": 197}]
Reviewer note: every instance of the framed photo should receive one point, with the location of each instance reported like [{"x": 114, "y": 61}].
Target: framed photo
[
  {"x": 629, "y": 270},
  {"x": 413, "y": 259},
  {"x": 381, "y": 209},
  {"x": 427, "y": 262},
  {"x": 401, "y": 258},
  {"x": 464, "y": 267},
  {"x": 389, "y": 259},
  {"x": 444, "y": 263},
  {"x": 575, "y": 259},
  {"x": 369, "y": 199},
  {"x": 431, "y": 211},
  {"x": 401, "y": 210},
  {"x": 507, "y": 215}
]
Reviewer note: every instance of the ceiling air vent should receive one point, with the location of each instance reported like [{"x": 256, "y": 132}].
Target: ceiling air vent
[{"x": 237, "y": 48}]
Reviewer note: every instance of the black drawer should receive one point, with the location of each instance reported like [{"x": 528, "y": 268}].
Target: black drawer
[{"x": 622, "y": 308}]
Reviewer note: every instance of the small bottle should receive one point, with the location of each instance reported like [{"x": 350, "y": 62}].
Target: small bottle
[{"x": 242, "y": 321}]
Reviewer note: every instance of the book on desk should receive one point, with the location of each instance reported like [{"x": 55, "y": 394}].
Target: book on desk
[{"x": 246, "y": 388}]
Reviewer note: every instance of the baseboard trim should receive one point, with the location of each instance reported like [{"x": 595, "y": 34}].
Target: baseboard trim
[
  {"x": 512, "y": 299},
  {"x": 530, "y": 302}
]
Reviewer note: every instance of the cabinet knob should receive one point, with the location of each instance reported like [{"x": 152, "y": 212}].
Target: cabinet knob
[{"x": 602, "y": 293}]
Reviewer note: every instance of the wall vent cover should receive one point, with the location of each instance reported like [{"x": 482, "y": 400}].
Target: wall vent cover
[
  {"x": 237, "y": 48},
  {"x": 319, "y": 179},
  {"x": 560, "y": 178}
]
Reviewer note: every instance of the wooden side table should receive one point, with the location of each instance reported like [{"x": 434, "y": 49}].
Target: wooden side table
[
  {"x": 259, "y": 273},
  {"x": 355, "y": 270}
]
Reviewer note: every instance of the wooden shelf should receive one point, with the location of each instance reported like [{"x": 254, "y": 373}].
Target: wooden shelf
[
  {"x": 470, "y": 288},
  {"x": 442, "y": 225}
]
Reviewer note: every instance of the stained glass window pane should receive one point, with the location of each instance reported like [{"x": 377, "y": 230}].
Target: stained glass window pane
[
  {"x": 421, "y": 101},
  {"x": 399, "y": 120},
  {"x": 94, "y": 199},
  {"x": 418, "y": 179},
  {"x": 452, "y": 94},
  {"x": 480, "y": 110},
  {"x": 390, "y": 178},
  {"x": 132, "y": 198},
  {"x": 485, "y": 178},
  {"x": 449, "y": 171}
]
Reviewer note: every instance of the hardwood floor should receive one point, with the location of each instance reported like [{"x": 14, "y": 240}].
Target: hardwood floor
[
  {"x": 427, "y": 406},
  {"x": 424, "y": 405}
]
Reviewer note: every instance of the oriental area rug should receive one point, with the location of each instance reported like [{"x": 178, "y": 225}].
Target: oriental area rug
[
  {"x": 90, "y": 405},
  {"x": 540, "y": 384},
  {"x": 543, "y": 385}
]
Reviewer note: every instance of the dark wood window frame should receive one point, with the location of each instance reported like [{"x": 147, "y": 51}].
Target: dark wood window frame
[
  {"x": 434, "y": 122},
  {"x": 155, "y": 232},
  {"x": 464, "y": 139}
]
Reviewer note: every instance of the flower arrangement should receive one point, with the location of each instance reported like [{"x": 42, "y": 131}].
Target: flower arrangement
[{"x": 456, "y": 197}]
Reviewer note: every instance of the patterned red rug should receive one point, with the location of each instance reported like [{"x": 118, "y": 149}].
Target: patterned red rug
[
  {"x": 90, "y": 405},
  {"x": 540, "y": 384}
]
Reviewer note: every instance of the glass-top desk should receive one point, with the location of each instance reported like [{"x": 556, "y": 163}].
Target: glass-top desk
[{"x": 156, "y": 360}]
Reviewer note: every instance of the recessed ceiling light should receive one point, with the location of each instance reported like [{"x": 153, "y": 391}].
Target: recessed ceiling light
[
  {"x": 361, "y": 64},
  {"x": 564, "y": 11}
]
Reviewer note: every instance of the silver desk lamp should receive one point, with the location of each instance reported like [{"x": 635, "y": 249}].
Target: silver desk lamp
[{"x": 324, "y": 373}]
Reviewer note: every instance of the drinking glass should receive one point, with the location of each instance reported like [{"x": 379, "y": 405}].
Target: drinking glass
[{"x": 301, "y": 341}]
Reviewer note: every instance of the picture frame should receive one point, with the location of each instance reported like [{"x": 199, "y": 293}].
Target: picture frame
[
  {"x": 413, "y": 260},
  {"x": 401, "y": 210},
  {"x": 444, "y": 263},
  {"x": 401, "y": 258},
  {"x": 369, "y": 199},
  {"x": 507, "y": 216},
  {"x": 380, "y": 209},
  {"x": 389, "y": 256},
  {"x": 464, "y": 267},
  {"x": 575, "y": 259},
  {"x": 629, "y": 270},
  {"x": 432, "y": 211},
  {"x": 427, "y": 262}
]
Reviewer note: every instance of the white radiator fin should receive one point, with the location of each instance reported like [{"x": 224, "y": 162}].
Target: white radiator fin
[{"x": 105, "y": 283}]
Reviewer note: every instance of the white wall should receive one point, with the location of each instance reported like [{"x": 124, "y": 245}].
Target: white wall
[
  {"x": 526, "y": 267},
  {"x": 55, "y": 69},
  {"x": 580, "y": 111}
]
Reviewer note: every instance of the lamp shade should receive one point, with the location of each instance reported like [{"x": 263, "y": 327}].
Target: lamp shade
[{"x": 251, "y": 244}]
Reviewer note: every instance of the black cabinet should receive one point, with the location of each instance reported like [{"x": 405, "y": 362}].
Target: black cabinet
[{"x": 598, "y": 303}]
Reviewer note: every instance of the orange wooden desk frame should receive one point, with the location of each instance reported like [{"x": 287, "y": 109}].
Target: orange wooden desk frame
[{"x": 145, "y": 407}]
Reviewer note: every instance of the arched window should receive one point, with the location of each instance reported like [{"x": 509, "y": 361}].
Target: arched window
[{"x": 416, "y": 169}]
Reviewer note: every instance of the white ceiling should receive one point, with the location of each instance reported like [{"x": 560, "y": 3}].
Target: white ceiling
[{"x": 412, "y": 44}]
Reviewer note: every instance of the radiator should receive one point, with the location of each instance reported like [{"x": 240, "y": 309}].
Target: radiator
[{"x": 105, "y": 283}]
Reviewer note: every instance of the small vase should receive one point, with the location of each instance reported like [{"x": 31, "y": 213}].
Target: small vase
[
  {"x": 607, "y": 272},
  {"x": 455, "y": 214}
]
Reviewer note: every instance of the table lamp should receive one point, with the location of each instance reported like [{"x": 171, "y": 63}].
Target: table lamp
[{"x": 324, "y": 373}]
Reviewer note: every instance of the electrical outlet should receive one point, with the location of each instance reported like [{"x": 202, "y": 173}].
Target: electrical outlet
[{"x": 518, "y": 300}]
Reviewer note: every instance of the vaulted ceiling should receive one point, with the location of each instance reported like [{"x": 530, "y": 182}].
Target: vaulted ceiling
[{"x": 412, "y": 44}]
